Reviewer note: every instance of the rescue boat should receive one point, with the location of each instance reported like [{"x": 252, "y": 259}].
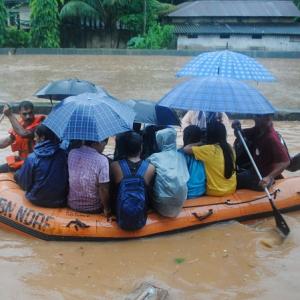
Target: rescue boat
[{"x": 18, "y": 214}]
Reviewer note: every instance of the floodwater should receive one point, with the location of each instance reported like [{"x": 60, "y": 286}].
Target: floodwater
[{"x": 224, "y": 261}]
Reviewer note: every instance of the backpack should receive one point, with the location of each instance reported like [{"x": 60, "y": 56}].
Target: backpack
[{"x": 132, "y": 202}]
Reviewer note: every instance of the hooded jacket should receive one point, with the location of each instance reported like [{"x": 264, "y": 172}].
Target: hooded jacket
[
  {"x": 44, "y": 175},
  {"x": 170, "y": 186}
]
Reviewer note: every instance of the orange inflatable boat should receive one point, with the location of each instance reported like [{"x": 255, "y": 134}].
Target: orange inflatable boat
[{"x": 20, "y": 215}]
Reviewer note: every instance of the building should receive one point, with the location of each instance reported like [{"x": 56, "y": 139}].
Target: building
[
  {"x": 269, "y": 25},
  {"x": 18, "y": 13}
]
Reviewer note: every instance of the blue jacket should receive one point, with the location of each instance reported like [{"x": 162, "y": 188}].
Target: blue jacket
[{"x": 44, "y": 175}]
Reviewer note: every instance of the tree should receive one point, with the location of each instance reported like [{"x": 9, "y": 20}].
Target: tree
[
  {"x": 3, "y": 21},
  {"x": 141, "y": 15},
  {"x": 44, "y": 24},
  {"x": 135, "y": 15},
  {"x": 157, "y": 37}
]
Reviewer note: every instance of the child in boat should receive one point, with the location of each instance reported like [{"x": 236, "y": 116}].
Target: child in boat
[
  {"x": 44, "y": 175},
  {"x": 89, "y": 178},
  {"x": 219, "y": 161},
  {"x": 132, "y": 148},
  {"x": 172, "y": 175},
  {"x": 197, "y": 183}
]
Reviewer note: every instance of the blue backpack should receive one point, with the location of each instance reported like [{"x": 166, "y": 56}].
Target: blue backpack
[{"x": 132, "y": 202}]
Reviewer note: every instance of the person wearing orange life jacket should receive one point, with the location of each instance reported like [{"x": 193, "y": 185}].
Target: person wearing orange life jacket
[{"x": 21, "y": 136}]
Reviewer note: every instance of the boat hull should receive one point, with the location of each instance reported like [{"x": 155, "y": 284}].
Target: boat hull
[{"x": 18, "y": 214}]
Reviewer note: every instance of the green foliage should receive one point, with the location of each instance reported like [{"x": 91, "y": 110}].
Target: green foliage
[
  {"x": 3, "y": 20},
  {"x": 139, "y": 16},
  {"x": 108, "y": 11},
  {"x": 44, "y": 24},
  {"x": 16, "y": 38},
  {"x": 135, "y": 15},
  {"x": 297, "y": 3},
  {"x": 157, "y": 37},
  {"x": 179, "y": 260}
]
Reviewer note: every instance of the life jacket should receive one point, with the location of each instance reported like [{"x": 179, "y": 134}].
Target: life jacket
[{"x": 24, "y": 146}]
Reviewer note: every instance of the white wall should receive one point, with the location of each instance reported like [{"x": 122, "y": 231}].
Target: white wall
[{"x": 239, "y": 42}]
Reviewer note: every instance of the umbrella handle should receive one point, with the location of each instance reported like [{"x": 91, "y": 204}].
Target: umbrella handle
[{"x": 280, "y": 222}]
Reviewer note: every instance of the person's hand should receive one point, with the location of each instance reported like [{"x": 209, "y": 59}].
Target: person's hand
[
  {"x": 236, "y": 125},
  {"x": 7, "y": 110},
  {"x": 266, "y": 182}
]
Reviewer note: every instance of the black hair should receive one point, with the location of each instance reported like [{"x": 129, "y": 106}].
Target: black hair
[
  {"x": 149, "y": 140},
  {"x": 216, "y": 134},
  {"x": 90, "y": 143},
  {"x": 137, "y": 127},
  {"x": 47, "y": 133},
  {"x": 131, "y": 142},
  {"x": 26, "y": 105},
  {"x": 192, "y": 134}
]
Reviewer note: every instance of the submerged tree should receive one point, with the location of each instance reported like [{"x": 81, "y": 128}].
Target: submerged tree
[
  {"x": 44, "y": 24},
  {"x": 3, "y": 21}
]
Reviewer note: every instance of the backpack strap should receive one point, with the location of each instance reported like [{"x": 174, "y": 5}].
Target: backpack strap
[
  {"x": 142, "y": 168},
  {"x": 125, "y": 168}
]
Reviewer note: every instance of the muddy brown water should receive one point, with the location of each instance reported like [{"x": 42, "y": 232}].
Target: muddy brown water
[{"x": 224, "y": 261}]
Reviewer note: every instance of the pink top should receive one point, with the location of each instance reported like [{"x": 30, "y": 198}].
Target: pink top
[{"x": 87, "y": 168}]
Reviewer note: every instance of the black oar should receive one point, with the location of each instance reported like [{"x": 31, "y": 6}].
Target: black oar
[{"x": 280, "y": 222}]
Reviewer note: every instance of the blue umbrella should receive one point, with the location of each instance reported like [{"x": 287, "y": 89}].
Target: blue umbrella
[
  {"x": 217, "y": 94},
  {"x": 226, "y": 64},
  {"x": 149, "y": 112},
  {"x": 61, "y": 89},
  {"x": 90, "y": 117}
]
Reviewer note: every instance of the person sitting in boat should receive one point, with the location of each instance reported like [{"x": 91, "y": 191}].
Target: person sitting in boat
[
  {"x": 131, "y": 143},
  {"x": 269, "y": 154},
  {"x": 119, "y": 152},
  {"x": 44, "y": 174},
  {"x": 21, "y": 136},
  {"x": 219, "y": 161},
  {"x": 197, "y": 182},
  {"x": 89, "y": 178},
  {"x": 149, "y": 140},
  {"x": 172, "y": 175}
]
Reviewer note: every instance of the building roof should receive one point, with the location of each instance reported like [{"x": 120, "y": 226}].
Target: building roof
[
  {"x": 237, "y": 8},
  {"x": 264, "y": 29}
]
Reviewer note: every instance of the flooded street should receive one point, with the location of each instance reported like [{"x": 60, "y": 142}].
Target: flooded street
[{"x": 223, "y": 261}]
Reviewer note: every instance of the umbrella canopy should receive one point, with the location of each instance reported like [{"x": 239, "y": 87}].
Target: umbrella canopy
[
  {"x": 226, "y": 64},
  {"x": 90, "y": 117},
  {"x": 61, "y": 89},
  {"x": 217, "y": 94},
  {"x": 149, "y": 112}
]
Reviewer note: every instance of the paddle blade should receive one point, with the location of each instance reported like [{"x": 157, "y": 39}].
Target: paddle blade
[{"x": 280, "y": 222}]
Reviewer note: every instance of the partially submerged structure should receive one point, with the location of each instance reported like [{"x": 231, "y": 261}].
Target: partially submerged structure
[
  {"x": 269, "y": 25},
  {"x": 18, "y": 13}
]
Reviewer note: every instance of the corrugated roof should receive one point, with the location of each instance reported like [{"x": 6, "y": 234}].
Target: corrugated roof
[
  {"x": 237, "y": 8},
  {"x": 278, "y": 29}
]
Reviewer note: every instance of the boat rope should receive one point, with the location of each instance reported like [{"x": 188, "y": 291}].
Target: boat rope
[
  {"x": 204, "y": 216},
  {"x": 77, "y": 224},
  {"x": 228, "y": 201},
  {"x": 8, "y": 180}
]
